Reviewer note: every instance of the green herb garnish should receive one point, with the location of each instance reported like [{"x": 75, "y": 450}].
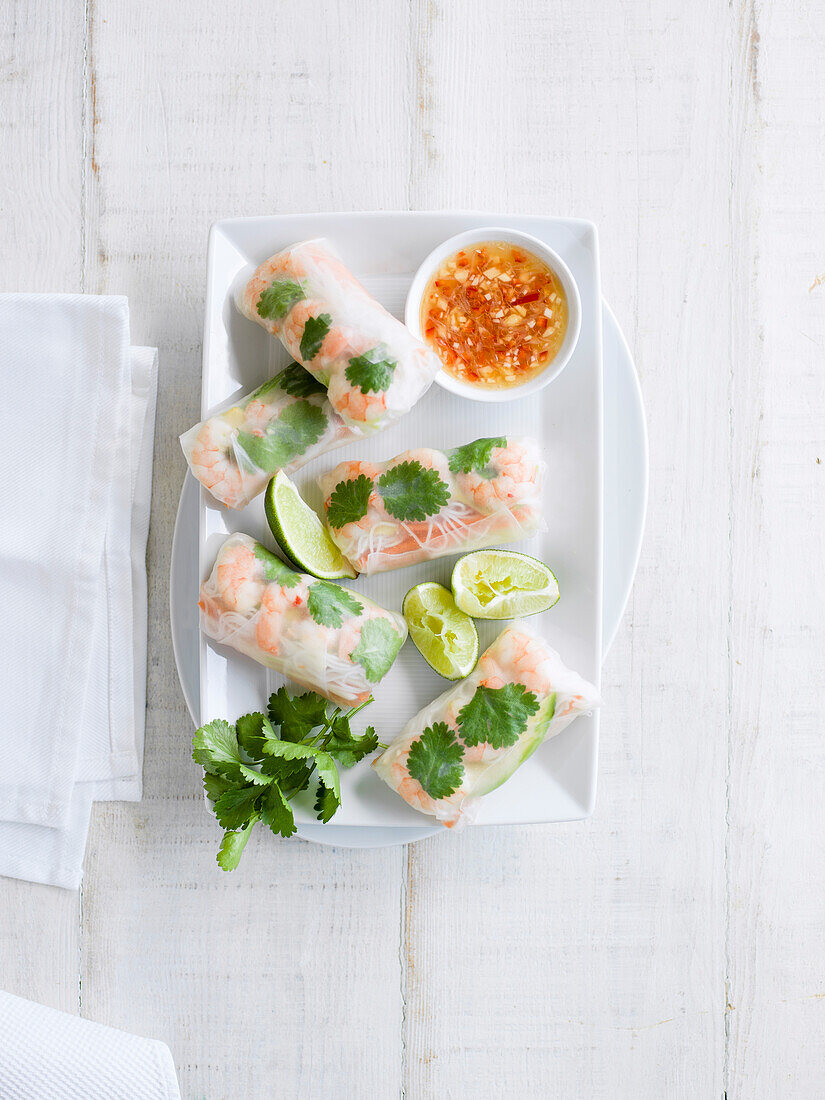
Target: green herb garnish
[
  {"x": 349, "y": 501},
  {"x": 411, "y": 492},
  {"x": 329, "y": 604},
  {"x": 377, "y": 648},
  {"x": 298, "y": 382},
  {"x": 285, "y": 437},
  {"x": 497, "y": 716},
  {"x": 435, "y": 760},
  {"x": 253, "y": 769},
  {"x": 370, "y": 373},
  {"x": 279, "y": 298},
  {"x": 475, "y": 455},
  {"x": 314, "y": 334}
]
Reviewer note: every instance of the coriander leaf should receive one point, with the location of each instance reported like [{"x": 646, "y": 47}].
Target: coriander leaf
[
  {"x": 326, "y": 803},
  {"x": 324, "y": 764},
  {"x": 377, "y": 648},
  {"x": 233, "y": 844},
  {"x": 275, "y": 570},
  {"x": 215, "y": 747},
  {"x": 314, "y": 334},
  {"x": 277, "y": 813},
  {"x": 496, "y": 716},
  {"x": 369, "y": 372},
  {"x": 264, "y": 391},
  {"x": 298, "y": 427},
  {"x": 297, "y": 715},
  {"x": 329, "y": 604},
  {"x": 216, "y": 785},
  {"x": 475, "y": 455},
  {"x": 349, "y": 501},
  {"x": 328, "y": 773},
  {"x": 234, "y": 808},
  {"x": 298, "y": 382},
  {"x": 291, "y": 776},
  {"x": 411, "y": 492},
  {"x": 345, "y": 747},
  {"x": 435, "y": 761},
  {"x": 252, "y": 732},
  {"x": 279, "y": 298},
  {"x": 289, "y": 750}
]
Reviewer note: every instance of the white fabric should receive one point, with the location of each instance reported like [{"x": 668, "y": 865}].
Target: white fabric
[
  {"x": 46, "y": 1054},
  {"x": 79, "y": 407}
]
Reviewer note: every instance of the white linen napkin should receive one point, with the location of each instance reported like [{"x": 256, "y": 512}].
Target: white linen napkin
[
  {"x": 45, "y": 1053},
  {"x": 79, "y": 405}
]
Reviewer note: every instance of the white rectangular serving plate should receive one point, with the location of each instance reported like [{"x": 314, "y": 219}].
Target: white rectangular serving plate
[{"x": 383, "y": 250}]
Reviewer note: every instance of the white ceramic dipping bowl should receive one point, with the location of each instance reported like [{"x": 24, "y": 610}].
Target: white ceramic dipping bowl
[{"x": 412, "y": 312}]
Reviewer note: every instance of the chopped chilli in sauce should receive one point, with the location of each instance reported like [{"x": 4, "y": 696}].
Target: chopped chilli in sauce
[{"x": 495, "y": 314}]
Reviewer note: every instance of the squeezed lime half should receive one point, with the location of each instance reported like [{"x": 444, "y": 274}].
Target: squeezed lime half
[
  {"x": 445, "y": 637},
  {"x": 503, "y": 584}
]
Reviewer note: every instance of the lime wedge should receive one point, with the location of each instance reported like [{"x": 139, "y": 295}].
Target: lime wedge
[
  {"x": 445, "y": 637},
  {"x": 503, "y": 584},
  {"x": 300, "y": 533}
]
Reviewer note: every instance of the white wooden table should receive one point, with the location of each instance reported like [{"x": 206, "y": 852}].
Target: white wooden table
[{"x": 672, "y": 945}]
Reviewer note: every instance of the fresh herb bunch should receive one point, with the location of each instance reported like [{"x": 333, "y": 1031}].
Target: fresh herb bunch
[{"x": 253, "y": 769}]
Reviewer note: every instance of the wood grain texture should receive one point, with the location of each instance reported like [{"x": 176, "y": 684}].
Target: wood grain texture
[
  {"x": 671, "y": 945},
  {"x": 288, "y": 970},
  {"x": 598, "y": 948},
  {"x": 41, "y": 218},
  {"x": 776, "y": 864}
]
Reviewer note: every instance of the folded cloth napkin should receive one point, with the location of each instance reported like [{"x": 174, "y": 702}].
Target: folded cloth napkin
[
  {"x": 47, "y": 1054},
  {"x": 79, "y": 405}
]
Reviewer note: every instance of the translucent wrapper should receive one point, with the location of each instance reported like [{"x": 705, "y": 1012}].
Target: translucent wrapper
[
  {"x": 472, "y": 738},
  {"x": 328, "y": 638},
  {"x": 374, "y": 368},
  {"x": 423, "y": 504},
  {"x": 280, "y": 426}
]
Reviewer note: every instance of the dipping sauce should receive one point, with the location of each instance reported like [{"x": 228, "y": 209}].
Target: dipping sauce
[{"x": 495, "y": 314}]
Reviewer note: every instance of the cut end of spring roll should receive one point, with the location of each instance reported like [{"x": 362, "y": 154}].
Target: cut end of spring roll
[
  {"x": 472, "y": 738},
  {"x": 280, "y": 426}
]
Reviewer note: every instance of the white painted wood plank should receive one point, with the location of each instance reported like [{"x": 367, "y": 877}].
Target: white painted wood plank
[
  {"x": 282, "y": 975},
  {"x": 776, "y": 880},
  {"x": 41, "y": 103},
  {"x": 587, "y": 960}
]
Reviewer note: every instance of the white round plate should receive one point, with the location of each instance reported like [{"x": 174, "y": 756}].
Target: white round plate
[{"x": 625, "y": 504}]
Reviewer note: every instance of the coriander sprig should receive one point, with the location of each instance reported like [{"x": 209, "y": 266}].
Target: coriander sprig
[{"x": 252, "y": 769}]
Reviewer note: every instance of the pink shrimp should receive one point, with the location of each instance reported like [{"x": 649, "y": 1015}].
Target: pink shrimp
[
  {"x": 240, "y": 579},
  {"x": 276, "y": 602},
  {"x": 524, "y": 658},
  {"x": 299, "y": 263},
  {"x": 213, "y": 462},
  {"x": 517, "y": 475}
]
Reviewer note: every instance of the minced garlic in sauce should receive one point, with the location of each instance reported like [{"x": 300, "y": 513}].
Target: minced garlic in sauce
[{"x": 495, "y": 314}]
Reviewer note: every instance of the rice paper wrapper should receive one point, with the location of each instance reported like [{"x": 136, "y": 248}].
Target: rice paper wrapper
[
  {"x": 375, "y": 370},
  {"x": 472, "y": 738},
  {"x": 424, "y": 503},
  {"x": 319, "y": 634},
  {"x": 280, "y": 426}
]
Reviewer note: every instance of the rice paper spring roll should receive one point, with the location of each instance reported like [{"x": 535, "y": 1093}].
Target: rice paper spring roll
[
  {"x": 375, "y": 370},
  {"x": 280, "y": 426},
  {"x": 326, "y": 637},
  {"x": 423, "y": 504},
  {"x": 472, "y": 738}
]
